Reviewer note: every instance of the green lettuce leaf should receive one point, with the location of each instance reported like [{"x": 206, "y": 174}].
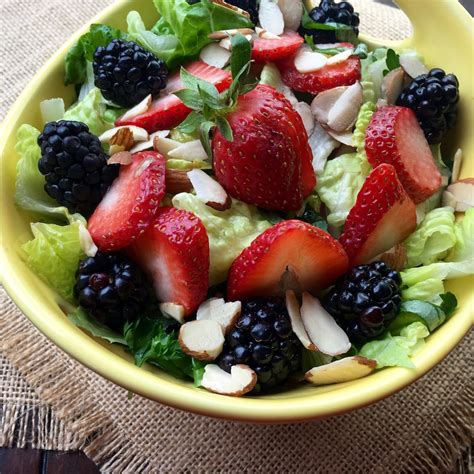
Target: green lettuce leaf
[
  {"x": 362, "y": 122},
  {"x": 150, "y": 339},
  {"x": 83, "y": 51},
  {"x": 82, "y": 319},
  {"x": 183, "y": 29},
  {"x": 464, "y": 247},
  {"x": 432, "y": 239},
  {"x": 54, "y": 255},
  {"x": 229, "y": 231},
  {"x": 339, "y": 184},
  {"x": 92, "y": 111},
  {"x": 395, "y": 351}
]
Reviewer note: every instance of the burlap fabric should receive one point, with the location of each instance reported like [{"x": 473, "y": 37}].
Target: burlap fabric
[{"x": 49, "y": 401}]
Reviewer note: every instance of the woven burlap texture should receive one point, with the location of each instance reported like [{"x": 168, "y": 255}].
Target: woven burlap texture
[{"x": 49, "y": 401}]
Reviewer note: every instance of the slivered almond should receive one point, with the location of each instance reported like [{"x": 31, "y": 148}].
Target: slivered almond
[
  {"x": 120, "y": 158},
  {"x": 209, "y": 190},
  {"x": 264, "y": 34},
  {"x": 139, "y": 109},
  {"x": 227, "y": 44},
  {"x": 218, "y": 35},
  {"x": 271, "y": 17},
  {"x": 343, "y": 370},
  {"x": 292, "y": 12},
  {"x": 395, "y": 258},
  {"x": 148, "y": 144},
  {"x": 177, "y": 181},
  {"x": 460, "y": 195},
  {"x": 216, "y": 309},
  {"x": 293, "y": 307},
  {"x": 392, "y": 85},
  {"x": 202, "y": 339},
  {"x": 173, "y": 311},
  {"x": 241, "y": 380},
  {"x": 165, "y": 145},
  {"x": 238, "y": 10},
  {"x": 309, "y": 61},
  {"x": 215, "y": 55},
  {"x": 343, "y": 113},
  {"x": 325, "y": 101},
  {"x": 341, "y": 57},
  {"x": 457, "y": 162}
]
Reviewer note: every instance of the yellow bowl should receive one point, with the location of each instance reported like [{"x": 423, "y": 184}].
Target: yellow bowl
[{"x": 444, "y": 35}]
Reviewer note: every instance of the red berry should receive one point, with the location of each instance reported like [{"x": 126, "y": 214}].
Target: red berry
[
  {"x": 383, "y": 216},
  {"x": 167, "y": 111},
  {"x": 394, "y": 136},
  {"x": 268, "y": 163},
  {"x": 266, "y": 50},
  {"x": 130, "y": 205},
  {"x": 315, "y": 257},
  {"x": 328, "y": 77},
  {"x": 175, "y": 252}
]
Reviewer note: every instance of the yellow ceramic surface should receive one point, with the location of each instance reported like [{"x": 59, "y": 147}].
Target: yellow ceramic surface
[{"x": 443, "y": 35}]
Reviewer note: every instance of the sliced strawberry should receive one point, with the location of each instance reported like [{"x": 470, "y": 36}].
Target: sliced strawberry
[
  {"x": 167, "y": 111},
  {"x": 382, "y": 217},
  {"x": 394, "y": 136},
  {"x": 265, "y": 50},
  {"x": 328, "y": 77},
  {"x": 131, "y": 203},
  {"x": 315, "y": 258},
  {"x": 268, "y": 163},
  {"x": 175, "y": 252}
]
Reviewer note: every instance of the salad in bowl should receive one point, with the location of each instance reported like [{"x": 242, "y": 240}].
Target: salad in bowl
[{"x": 248, "y": 196}]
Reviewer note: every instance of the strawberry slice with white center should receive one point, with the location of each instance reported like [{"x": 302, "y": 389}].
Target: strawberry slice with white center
[
  {"x": 394, "y": 136},
  {"x": 130, "y": 205},
  {"x": 314, "y": 257},
  {"x": 382, "y": 217},
  {"x": 167, "y": 111},
  {"x": 175, "y": 252},
  {"x": 267, "y": 50},
  {"x": 344, "y": 73}
]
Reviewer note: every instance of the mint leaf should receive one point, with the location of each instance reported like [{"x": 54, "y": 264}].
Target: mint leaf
[
  {"x": 190, "y": 98},
  {"x": 191, "y": 123},
  {"x": 241, "y": 54},
  {"x": 204, "y": 130},
  {"x": 224, "y": 127},
  {"x": 392, "y": 61},
  {"x": 449, "y": 303}
]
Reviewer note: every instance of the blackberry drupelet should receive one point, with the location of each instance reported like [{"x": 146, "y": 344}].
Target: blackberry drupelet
[
  {"x": 365, "y": 300},
  {"x": 111, "y": 288},
  {"x": 331, "y": 12},
  {"x": 434, "y": 98},
  {"x": 74, "y": 165},
  {"x": 263, "y": 339},
  {"x": 126, "y": 73},
  {"x": 249, "y": 6}
]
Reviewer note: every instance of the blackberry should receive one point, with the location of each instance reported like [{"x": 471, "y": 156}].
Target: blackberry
[
  {"x": 250, "y": 6},
  {"x": 111, "y": 288},
  {"x": 74, "y": 165},
  {"x": 263, "y": 339},
  {"x": 434, "y": 98},
  {"x": 365, "y": 300},
  {"x": 126, "y": 73},
  {"x": 331, "y": 12}
]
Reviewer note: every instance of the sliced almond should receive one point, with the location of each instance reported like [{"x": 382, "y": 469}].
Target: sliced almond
[
  {"x": 343, "y": 370},
  {"x": 322, "y": 329},
  {"x": 345, "y": 137},
  {"x": 309, "y": 61},
  {"x": 120, "y": 158},
  {"x": 304, "y": 110},
  {"x": 165, "y": 145},
  {"x": 341, "y": 57},
  {"x": 292, "y": 13},
  {"x": 189, "y": 151},
  {"x": 173, "y": 311},
  {"x": 325, "y": 101},
  {"x": 460, "y": 195},
  {"x": 293, "y": 307},
  {"x": 411, "y": 63},
  {"x": 215, "y": 55},
  {"x": 177, "y": 181},
  {"x": 139, "y": 134},
  {"x": 271, "y": 17},
  {"x": 264, "y": 34},
  {"x": 457, "y": 162},
  {"x": 148, "y": 145},
  {"x": 241, "y": 380},
  {"x": 218, "y": 35},
  {"x": 235, "y": 9},
  {"x": 209, "y": 190},
  {"x": 202, "y": 340},
  {"x": 227, "y": 44},
  {"x": 322, "y": 145},
  {"x": 344, "y": 112},
  {"x": 139, "y": 109},
  {"x": 395, "y": 258},
  {"x": 216, "y": 309},
  {"x": 392, "y": 85}
]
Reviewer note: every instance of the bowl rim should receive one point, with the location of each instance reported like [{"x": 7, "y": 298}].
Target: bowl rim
[{"x": 87, "y": 351}]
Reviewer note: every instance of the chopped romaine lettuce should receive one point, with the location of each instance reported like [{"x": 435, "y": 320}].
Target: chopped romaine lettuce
[
  {"x": 52, "y": 110},
  {"x": 362, "y": 122},
  {"x": 183, "y": 29},
  {"x": 464, "y": 247},
  {"x": 184, "y": 165},
  {"x": 83, "y": 320},
  {"x": 83, "y": 51},
  {"x": 54, "y": 255},
  {"x": 339, "y": 184},
  {"x": 322, "y": 145},
  {"x": 91, "y": 111},
  {"x": 229, "y": 231},
  {"x": 395, "y": 351},
  {"x": 433, "y": 238}
]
